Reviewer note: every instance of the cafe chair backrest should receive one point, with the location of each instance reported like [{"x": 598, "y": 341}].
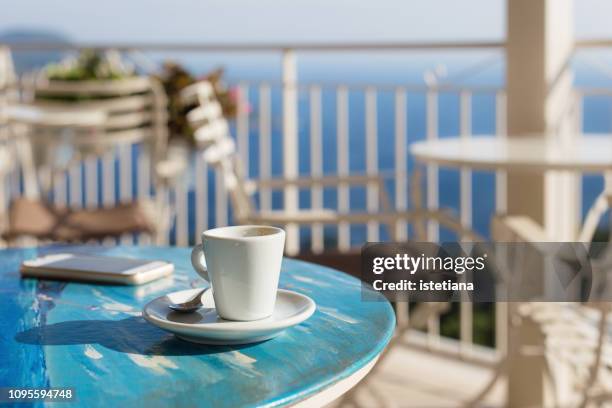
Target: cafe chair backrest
[
  {"x": 212, "y": 135},
  {"x": 136, "y": 109},
  {"x": 206, "y": 118}
]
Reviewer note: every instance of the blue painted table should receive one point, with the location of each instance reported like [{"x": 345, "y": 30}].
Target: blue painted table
[{"x": 92, "y": 338}]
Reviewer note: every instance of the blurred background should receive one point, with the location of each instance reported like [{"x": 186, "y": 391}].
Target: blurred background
[
  {"x": 372, "y": 57},
  {"x": 146, "y": 122}
]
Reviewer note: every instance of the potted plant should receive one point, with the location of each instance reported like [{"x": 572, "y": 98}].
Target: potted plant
[
  {"x": 99, "y": 81},
  {"x": 93, "y": 79},
  {"x": 90, "y": 76},
  {"x": 174, "y": 79}
]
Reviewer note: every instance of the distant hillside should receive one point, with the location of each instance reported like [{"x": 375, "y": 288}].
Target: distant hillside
[{"x": 26, "y": 61}]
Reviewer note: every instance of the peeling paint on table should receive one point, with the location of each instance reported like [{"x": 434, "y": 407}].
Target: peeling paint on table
[{"x": 92, "y": 338}]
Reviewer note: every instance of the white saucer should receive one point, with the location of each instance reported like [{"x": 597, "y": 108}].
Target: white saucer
[{"x": 206, "y": 327}]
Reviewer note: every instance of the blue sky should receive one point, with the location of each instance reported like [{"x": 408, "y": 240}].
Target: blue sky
[
  {"x": 289, "y": 21},
  {"x": 275, "y": 20},
  {"x": 262, "y": 20}
]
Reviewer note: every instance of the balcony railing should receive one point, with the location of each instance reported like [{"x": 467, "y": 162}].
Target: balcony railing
[{"x": 270, "y": 136}]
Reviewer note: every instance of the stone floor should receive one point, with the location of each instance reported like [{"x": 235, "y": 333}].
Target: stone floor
[{"x": 409, "y": 378}]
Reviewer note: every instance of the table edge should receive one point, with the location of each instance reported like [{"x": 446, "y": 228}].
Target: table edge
[
  {"x": 338, "y": 389},
  {"x": 488, "y": 165},
  {"x": 510, "y": 167},
  {"x": 334, "y": 387},
  {"x": 358, "y": 366}
]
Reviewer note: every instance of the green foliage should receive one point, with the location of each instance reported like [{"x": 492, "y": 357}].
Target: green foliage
[
  {"x": 483, "y": 323},
  {"x": 90, "y": 65}
]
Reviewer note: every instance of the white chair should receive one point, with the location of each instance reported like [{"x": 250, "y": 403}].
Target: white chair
[
  {"x": 8, "y": 95},
  {"x": 135, "y": 109},
  {"x": 212, "y": 136},
  {"x": 573, "y": 336},
  {"x": 93, "y": 119}
]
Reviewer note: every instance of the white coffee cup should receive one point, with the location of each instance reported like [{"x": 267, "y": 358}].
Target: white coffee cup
[{"x": 242, "y": 264}]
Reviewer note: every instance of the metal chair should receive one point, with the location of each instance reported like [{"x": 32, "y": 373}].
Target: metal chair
[
  {"x": 219, "y": 150},
  {"x": 573, "y": 335}
]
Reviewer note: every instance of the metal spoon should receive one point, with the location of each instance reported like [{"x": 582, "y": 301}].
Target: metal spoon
[{"x": 192, "y": 304}]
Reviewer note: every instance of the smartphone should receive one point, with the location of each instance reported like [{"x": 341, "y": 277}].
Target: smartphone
[{"x": 96, "y": 268}]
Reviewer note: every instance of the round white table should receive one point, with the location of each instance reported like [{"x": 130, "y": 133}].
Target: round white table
[
  {"x": 587, "y": 154},
  {"x": 584, "y": 154}
]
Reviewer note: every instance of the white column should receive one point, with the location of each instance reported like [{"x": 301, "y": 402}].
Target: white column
[
  {"x": 539, "y": 97},
  {"x": 290, "y": 145}
]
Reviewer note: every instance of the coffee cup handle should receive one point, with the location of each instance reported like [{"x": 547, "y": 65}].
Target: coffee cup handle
[{"x": 197, "y": 261}]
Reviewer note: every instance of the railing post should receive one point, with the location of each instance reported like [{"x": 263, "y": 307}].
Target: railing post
[
  {"x": 578, "y": 117},
  {"x": 265, "y": 134},
  {"x": 501, "y": 177},
  {"x": 401, "y": 181},
  {"x": 433, "y": 230},
  {"x": 242, "y": 127},
  {"x": 466, "y": 310},
  {"x": 290, "y": 145},
  {"x": 201, "y": 196},
  {"x": 372, "y": 159},
  {"x": 342, "y": 139},
  {"x": 316, "y": 165}
]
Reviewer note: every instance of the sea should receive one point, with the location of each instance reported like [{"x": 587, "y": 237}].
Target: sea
[{"x": 482, "y": 70}]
